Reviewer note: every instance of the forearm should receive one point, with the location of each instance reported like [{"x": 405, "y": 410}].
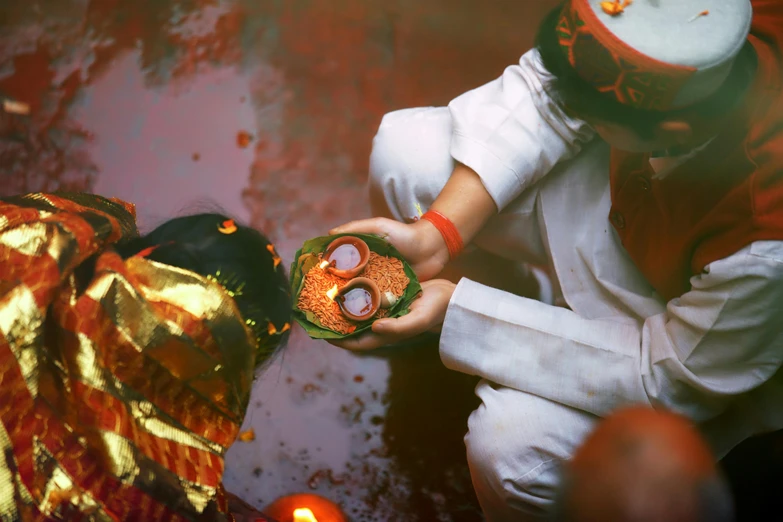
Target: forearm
[
  {"x": 717, "y": 341},
  {"x": 507, "y": 135},
  {"x": 511, "y": 132},
  {"x": 466, "y": 202}
]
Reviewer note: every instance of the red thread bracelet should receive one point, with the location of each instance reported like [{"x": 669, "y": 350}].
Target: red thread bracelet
[{"x": 447, "y": 229}]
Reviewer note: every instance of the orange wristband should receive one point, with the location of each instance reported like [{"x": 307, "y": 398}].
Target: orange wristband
[{"x": 447, "y": 229}]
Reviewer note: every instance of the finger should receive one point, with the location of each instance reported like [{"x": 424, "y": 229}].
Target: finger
[
  {"x": 377, "y": 226},
  {"x": 412, "y": 324},
  {"x": 362, "y": 343},
  {"x": 433, "y": 282}
]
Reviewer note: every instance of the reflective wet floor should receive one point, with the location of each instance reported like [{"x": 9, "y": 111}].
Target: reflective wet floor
[{"x": 267, "y": 109}]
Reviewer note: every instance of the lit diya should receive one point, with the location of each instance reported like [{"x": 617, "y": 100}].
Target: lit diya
[
  {"x": 360, "y": 299},
  {"x": 346, "y": 257},
  {"x": 305, "y": 507}
]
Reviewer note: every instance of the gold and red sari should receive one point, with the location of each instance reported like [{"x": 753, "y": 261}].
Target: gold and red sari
[{"x": 122, "y": 382}]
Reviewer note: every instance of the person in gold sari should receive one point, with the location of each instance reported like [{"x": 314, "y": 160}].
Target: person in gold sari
[{"x": 126, "y": 362}]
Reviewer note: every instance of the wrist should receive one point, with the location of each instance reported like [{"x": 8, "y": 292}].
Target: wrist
[
  {"x": 447, "y": 289},
  {"x": 451, "y": 235},
  {"x": 431, "y": 241}
]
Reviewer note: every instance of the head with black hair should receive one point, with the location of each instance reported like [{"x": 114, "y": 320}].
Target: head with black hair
[
  {"x": 239, "y": 258},
  {"x": 635, "y": 129}
]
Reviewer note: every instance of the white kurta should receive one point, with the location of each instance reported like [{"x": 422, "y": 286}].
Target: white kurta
[{"x": 714, "y": 354}]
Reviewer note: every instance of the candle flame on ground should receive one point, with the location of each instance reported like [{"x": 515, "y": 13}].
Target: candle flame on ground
[
  {"x": 332, "y": 292},
  {"x": 304, "y": 515}
]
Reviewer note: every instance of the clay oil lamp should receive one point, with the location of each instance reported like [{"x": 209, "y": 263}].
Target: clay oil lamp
[
  {"x": 359, "y": 299},
  {"x": 305, "y": 507},
  {"x": 346, "y": 257}
]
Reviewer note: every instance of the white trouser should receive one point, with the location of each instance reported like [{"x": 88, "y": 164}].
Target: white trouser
[{"x": 515, "y": 440}]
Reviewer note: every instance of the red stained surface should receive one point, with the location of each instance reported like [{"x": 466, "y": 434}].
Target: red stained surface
[
  {"x": 149, "y": 100},
  {"x": 268, "y": 109}
]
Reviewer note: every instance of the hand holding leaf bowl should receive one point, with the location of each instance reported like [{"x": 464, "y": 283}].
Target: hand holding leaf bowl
[{"x": 342, "y": 283}]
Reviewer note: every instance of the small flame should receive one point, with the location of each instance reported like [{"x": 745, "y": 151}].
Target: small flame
[
  {"x": 304, "y": 515},
  {"x": 332, "y": 292},
  {"x": 324, "y": 264}
]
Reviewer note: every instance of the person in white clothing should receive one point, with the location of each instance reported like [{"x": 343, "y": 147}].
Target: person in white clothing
[{"x": 635, "y": 153}]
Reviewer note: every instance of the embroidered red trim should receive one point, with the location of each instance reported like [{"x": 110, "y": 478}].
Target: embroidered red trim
[{"x": 612, "y": 66}]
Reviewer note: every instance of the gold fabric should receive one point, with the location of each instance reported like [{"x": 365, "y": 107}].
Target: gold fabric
[{"x": 119, "y": 394}]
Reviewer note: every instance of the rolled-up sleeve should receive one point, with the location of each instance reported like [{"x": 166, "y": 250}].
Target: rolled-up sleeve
[
  {"x": 511, "y": 132},
  {"x": 722, "y": 338}
]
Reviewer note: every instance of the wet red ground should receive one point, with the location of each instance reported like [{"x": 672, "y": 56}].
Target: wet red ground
[{"x": 268, "y": 108}]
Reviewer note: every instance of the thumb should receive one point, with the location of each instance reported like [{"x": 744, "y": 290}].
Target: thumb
[
  {"x": 378, "y": 226},
  {"x": 408, "y": 325}
]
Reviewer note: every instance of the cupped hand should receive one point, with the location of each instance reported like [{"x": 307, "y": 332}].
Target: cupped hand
[
  {"x": 420, "y": 243},
  {"x": 426, "y": 315}
]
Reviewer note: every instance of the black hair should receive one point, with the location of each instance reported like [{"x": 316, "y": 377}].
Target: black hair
[
  {"x": 580, "y": 99},
  {"x": 244, "y": 261}
]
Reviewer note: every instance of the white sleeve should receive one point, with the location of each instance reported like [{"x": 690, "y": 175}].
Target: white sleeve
[
  {"x": 511, "y": 132},
  {"x": 722, "y": 338}
]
